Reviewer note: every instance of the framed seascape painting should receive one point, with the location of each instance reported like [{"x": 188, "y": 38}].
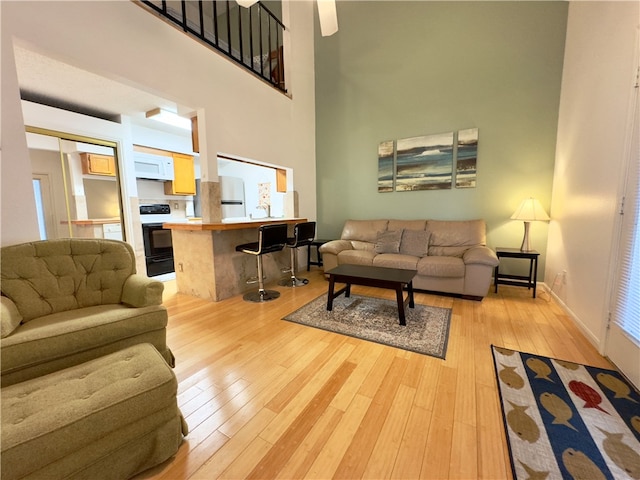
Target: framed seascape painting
[
  {"x": 385, "y": 166},
  {"x": 424, "y": 163},
  {"x": 467, "y": 158}
]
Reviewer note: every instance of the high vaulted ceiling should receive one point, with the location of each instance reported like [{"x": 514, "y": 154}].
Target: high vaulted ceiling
[{"x": 48, "y": 81}]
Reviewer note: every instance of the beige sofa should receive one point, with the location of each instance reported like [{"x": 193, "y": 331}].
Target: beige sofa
[
  {"x": 68, "y": 301},
  {"x": 449, "y": 256}
]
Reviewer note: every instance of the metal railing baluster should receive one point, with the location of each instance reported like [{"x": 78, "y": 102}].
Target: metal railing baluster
[
  {"x": 272, "y": 57},
  {"x": 240, "y": 35},
  {"x": 261, "y": 52},
  {"x": 185, "y": 24},
  {"x": 229, "y": 29},
  {"x": 251, "y": 39},
  {"x": 215, "y": 22}
]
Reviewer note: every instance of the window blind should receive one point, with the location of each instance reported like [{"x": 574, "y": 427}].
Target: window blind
[{"x": 627, "y": 301}]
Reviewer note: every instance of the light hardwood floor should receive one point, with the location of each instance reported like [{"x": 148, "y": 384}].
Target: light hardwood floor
[{"x": 265, "y": 398}]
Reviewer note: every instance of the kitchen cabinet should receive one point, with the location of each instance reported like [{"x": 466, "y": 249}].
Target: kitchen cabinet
[
  {"x": 95, "y": 164},
  {"x": 184, "y": 177},
  {"x": 195, "y": 139},
  {"x": 281, "y": 180},
  {"x": 112, "y": 231}
]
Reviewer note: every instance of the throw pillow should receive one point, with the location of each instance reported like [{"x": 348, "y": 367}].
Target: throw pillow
[
  {"x": 415, "y": 242},
  {"x": 10, "y": 318},
  {"x": 388, "y": 242}
]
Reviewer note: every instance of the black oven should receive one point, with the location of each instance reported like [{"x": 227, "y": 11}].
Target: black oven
[
  {"x": 158, "y": 249},
  {"x": 158, "y": 246}
]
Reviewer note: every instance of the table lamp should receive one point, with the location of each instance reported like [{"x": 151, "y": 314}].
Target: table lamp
[{"x": 529, "y": 211}]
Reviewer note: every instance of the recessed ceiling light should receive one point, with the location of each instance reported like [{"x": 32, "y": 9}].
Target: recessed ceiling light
[{"x": 169, "y": 118}]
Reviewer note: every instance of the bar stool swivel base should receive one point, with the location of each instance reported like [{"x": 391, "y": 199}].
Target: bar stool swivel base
[
  {"x": 293, "y": 281},
  {"x": 261, "y": 296}
]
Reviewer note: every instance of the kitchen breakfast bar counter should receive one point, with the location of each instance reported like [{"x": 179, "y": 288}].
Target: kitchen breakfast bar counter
[{"x": 207, "y": 264}]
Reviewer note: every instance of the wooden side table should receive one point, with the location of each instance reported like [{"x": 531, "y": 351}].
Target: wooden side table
[{"x": 529, "y": 281}]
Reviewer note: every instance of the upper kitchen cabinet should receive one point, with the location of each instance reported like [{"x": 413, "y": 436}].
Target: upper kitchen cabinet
[
  {"x": 95, "y": 164},
  {"x": 184, "y": 177}
]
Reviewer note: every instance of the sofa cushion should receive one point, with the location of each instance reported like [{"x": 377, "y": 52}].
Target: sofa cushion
[
  {"x": 481, "y": 255},
  {"x": 10, "y": 317},
  {"x": 59, "y": 335},
  {"x": 415, "y": 242},
  {"x": 407, "y": 225},
  {"x": 363, "y": 230},
  {"x": 356, "y": 257},
  {"x": 335, "y": 246},
  {"x": 364, "y": 246},
  {"x": 52, "y": 276},
  {"x": 388, "y": 242},
  {"x": 396, "y": 260},
  {"x": 453, "y": 238},
  {"x": 441, "y": 266}
]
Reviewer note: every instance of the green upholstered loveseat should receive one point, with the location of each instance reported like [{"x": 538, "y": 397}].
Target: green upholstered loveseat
[{"x": 68, "y": 301}]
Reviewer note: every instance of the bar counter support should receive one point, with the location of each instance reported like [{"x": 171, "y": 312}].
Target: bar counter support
[{"x": 207, "y": 264}]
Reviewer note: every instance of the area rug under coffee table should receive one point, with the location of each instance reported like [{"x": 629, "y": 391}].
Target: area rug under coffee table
[
  {"x": 567, "y": 420},
  {"x": 376, "y": 320}
]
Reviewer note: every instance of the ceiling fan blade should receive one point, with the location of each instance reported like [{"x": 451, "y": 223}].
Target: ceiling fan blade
[
  {"x": 328, "y": 17},
  {"x": 246, "y": 3}
]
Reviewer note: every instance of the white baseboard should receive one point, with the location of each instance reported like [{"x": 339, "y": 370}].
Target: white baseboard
[{"x": 576, "y": 320}]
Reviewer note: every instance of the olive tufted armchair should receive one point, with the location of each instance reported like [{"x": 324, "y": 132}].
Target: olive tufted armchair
[{"x": 68, "y": 301}]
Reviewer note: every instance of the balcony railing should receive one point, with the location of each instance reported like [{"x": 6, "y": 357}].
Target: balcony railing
[{"x": 252, "y": 37}]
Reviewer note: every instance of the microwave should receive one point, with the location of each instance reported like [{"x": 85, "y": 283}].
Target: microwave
[{"x": 154, "y": 167}]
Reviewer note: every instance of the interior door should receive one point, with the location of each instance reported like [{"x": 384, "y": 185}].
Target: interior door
[
  {"x": 44, "y": 205},
  {"x": 623, "y": 338}
]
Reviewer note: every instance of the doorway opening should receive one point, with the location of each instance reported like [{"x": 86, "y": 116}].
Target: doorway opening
[{"x": 76, "y": 185}]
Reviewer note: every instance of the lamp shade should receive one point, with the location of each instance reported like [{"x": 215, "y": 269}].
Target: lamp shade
[
  {"x": 246, "y": 3},
  {"x": 530, "y": 210}
]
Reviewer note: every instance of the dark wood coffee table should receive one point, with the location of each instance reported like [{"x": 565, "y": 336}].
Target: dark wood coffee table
[{"x": 381, "y": 277}]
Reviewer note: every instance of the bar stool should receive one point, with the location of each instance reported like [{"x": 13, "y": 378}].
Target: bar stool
[
  {"x": 271, "y": 238},
  {"x": 303, "y": 234}
]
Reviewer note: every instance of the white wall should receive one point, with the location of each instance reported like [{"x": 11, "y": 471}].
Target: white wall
[
  {"x": 54, "y": 119},
  {"x": 598, "y": 80},
  {"x": 18, "y": 220},
  {"x": 252, "y": 176},
  {"x": 242, "y": 115}
]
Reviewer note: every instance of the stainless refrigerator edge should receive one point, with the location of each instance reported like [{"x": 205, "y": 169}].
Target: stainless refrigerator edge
[{"x": 232, "y": 197}]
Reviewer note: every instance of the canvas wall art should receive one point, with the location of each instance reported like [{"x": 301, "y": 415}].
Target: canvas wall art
[
  {"x": 427, "y": 162},
  {"x": 424, "y": 163},
  {"x": 386, "y": 152},
  {"x": 467, "y": 158}
]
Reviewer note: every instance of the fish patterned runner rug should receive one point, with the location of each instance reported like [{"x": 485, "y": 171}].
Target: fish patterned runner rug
[{"x": 565, "y": 420}]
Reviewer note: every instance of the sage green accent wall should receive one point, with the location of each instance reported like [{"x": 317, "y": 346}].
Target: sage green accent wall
[{"x": 403, "y": 69}]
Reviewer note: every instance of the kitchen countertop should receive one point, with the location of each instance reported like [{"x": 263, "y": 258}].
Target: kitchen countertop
[
  {"x": 94, "y": 221},
  {"x": 228, "y": 225}
]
